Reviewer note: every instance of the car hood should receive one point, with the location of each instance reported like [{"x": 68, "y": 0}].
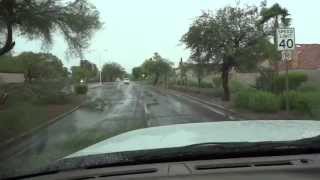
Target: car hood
[{"x": 198, "y": 133}]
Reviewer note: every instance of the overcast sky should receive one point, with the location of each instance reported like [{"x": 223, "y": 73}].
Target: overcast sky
[{"x": 134, "y": 29}]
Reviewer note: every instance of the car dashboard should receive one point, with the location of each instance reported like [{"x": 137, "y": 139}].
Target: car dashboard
[{"x": 293, "y": 167}]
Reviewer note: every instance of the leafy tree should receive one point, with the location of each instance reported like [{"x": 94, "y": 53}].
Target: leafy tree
[
  {"x": 91, "y": 68},
  {"x": 137, "y": 73},
  {"x": 9, "y": 64},
  {"x": 79, "y": 73},
  {"x": 41, "y": 66},
  {"x": 112, "y": 71},
  {"x": 198, "y": 66},
  {"x": 271, "y": 19},
  {"x": 230, "y": 39},
  {"x": 157, "y": 67},
  {"x": 183, "y": 72},
  {"x": 37, "y": 19}
]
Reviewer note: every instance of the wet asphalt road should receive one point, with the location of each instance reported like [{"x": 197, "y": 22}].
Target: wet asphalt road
[{"x": 109, "y": 110}]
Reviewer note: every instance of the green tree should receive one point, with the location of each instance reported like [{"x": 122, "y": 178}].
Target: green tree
[
  {"x": 112, "y": 71},
  {"x": 79, "y": 73},
  {"x": 229, "y": 39},
  {"x": 198, "y": 66},
  {"x": 36, "y": 19},
  {"x": 271, "y": 19},
  {"x": 137, "y": 73},
  {"x": 41, "y": 66},
  {"x": 183, "y": 72},
  {"x": 157, "y": 67},
  {"x": 9, "y": 64},
  {"x": 91, "y": 68}
]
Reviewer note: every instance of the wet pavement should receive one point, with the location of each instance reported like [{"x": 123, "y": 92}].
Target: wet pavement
[{"x": 109, "y": 110}]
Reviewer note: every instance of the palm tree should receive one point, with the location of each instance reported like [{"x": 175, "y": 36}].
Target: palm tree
[{"x": 277, "y": 17}]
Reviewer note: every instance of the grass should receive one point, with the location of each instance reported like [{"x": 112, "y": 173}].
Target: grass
[
  {"x": 29, "y": 106},
  {"x": 20, "y": 118}
]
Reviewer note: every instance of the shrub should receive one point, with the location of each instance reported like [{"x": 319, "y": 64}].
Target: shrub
[
  {"x": 296, "y": 79},
  {"x": 205, "y": 85},
  {"x": 308, "y": 87},
  {"x": 217, "y": 82},
  {"x": 260, "y": 101},
  {"x": 236, "y": 86},
  {"x": 313, "y": 100},
  {"x": 242, "y": 98},
  {"x": 297, "y": 102},
  {"x": 81, "y": 89},
  {"x": 264, "y": 81}
]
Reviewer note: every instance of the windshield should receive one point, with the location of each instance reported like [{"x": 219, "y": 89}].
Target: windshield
[{"x": 79, "y": 78}]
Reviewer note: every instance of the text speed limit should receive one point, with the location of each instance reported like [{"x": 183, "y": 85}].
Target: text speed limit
[{"x": 286, "y": 39}]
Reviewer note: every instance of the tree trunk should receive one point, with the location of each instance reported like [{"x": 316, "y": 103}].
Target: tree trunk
[
  {"x": 8, "y": 11},
  {"x": 156, "y": 79},
  {"x": 166, "y": 81},
  {"x": 199, "y": 81},
  {"x": 225, "y": 84}
]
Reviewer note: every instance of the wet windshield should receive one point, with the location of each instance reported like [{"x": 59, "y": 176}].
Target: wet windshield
[{"x": 85, "y": 77}]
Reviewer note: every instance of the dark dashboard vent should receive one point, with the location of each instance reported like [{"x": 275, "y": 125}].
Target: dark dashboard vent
[
  {"x": 130, "y": 172},
  {"x": 118, "y": 173},
  {"x": 243, "y": 165},
  {"x": 222, "y": 166},
  {"x": 273, "y": 163}
]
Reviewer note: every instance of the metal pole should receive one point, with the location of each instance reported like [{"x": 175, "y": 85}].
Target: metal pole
[
  {"x": 287, "y": 85},
  {"x": 101, "y": 77}
]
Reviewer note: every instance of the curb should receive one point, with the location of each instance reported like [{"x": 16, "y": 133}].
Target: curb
[
  {"x": 46, "y": 124},
  {"x": 231, "y": 114}
]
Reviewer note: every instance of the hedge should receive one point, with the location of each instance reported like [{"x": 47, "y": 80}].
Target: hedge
[
  {"x": 297, "y": 102},
  {"x": 81, "y": 89},
  {"x": 296, "y": 79},
  {"x": 258, "y": 101}
]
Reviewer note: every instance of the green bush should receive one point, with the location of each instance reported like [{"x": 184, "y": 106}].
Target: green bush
[
  {"x": 264, "y": 102},
  {"x": 264, "y": 81},
  {"x": 236, "y": 86},
  {"x": 297, "y": 102},
  {"x": 309, "y": 87},
  {"x": 258, "y": 101},
  {"x": 296, "y": 79},
  {"x": 242, "y": 98},
  {"x": 205, "y": 85},
  {"x": 313, "y": 100},
  {"x": 217, "y": 82},
  {"x": 81, "y": 89}
]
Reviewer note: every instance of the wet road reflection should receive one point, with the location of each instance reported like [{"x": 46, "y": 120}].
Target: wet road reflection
[{"x": 109, "y": 110}]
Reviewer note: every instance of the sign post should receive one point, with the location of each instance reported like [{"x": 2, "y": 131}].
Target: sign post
[{"x": 286, "y": 44}]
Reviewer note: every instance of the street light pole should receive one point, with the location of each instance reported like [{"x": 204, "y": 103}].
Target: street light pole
[{"x": 101, "y": 77}]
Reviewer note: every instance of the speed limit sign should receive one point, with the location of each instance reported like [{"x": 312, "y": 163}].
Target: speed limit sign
[{"x": 286, "y": 39}]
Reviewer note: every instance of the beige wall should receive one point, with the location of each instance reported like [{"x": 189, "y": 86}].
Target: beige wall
[{"x": 11, "y": 78}]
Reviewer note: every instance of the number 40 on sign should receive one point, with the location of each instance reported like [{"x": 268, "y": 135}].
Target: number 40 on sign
[{"x": 286, "y": 39}]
